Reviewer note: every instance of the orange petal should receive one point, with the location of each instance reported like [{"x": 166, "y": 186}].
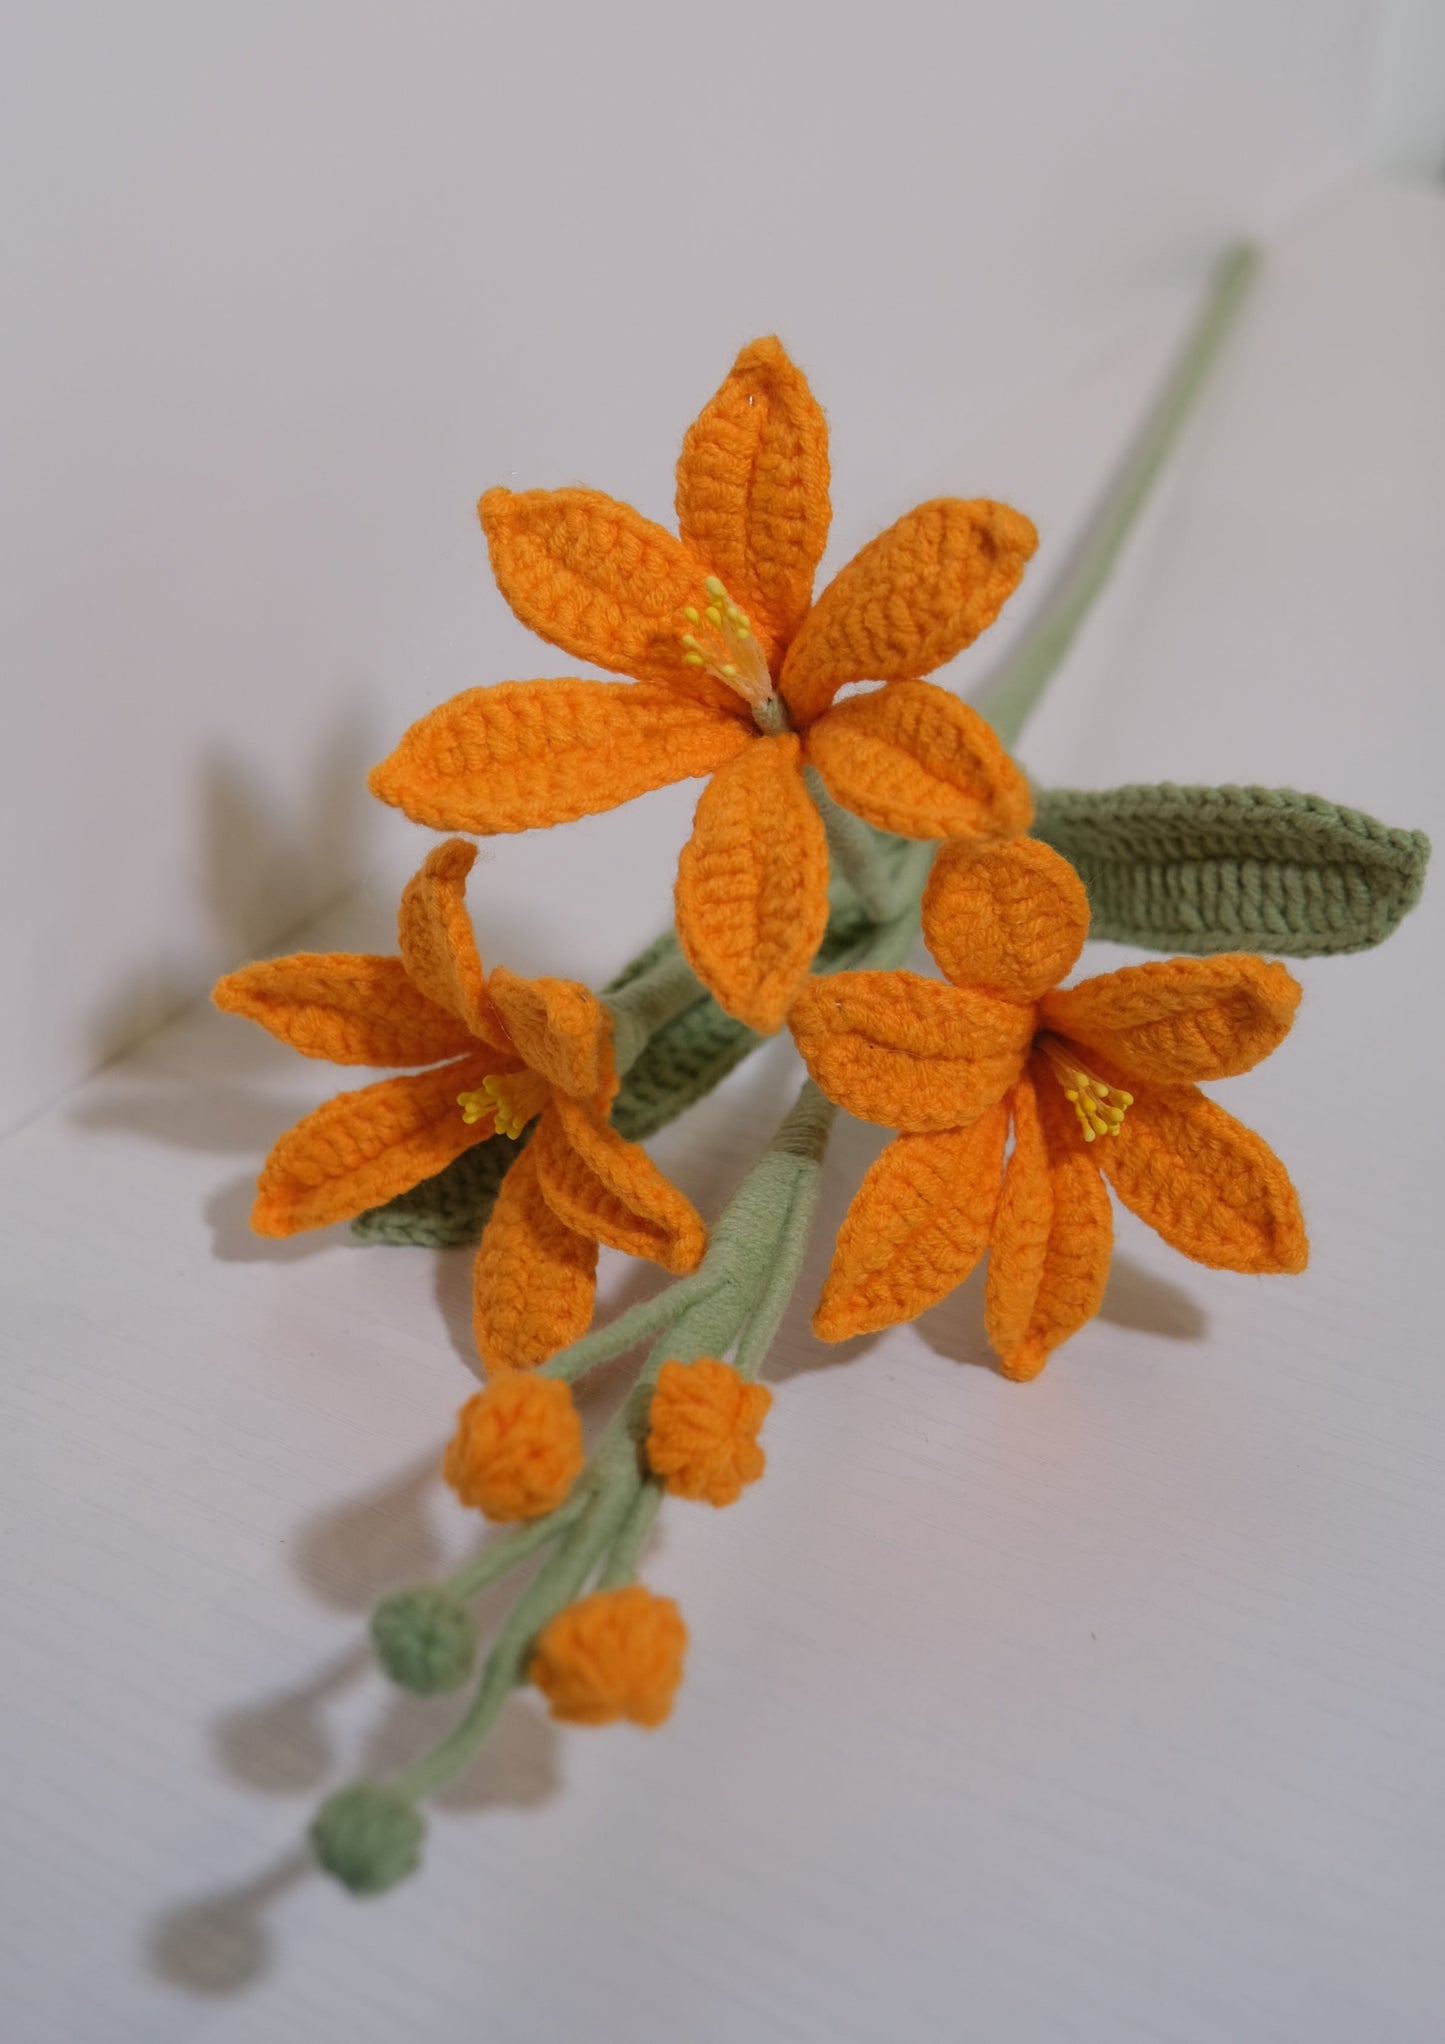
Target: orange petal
[
  {"x": 1010, "y": 918},
  {"x": 907, "y": 1052},
  {"x": 752, "y": 883},
  {"x": 611, "y": 1190},
  {"x": 1211, "y": 1187},
  {"x": 525, "y": 754},
  {"x": 915, "y": 760},
  {"x": 361, "y": 1149},
  {"x": 1048, "y": 1258},
  {"x": 913, "y": 597},
  {"x": 561, "y": 1030},
  {"x": 437, "y": 944},
  {"x": 918, "y": 1224},
  {"x": 353, "y": 1010},
  {"x": 752, "y": 488},
  {"x": 1176, "y": 1020},
  {"x": 534, "y": 1279},
  {"x": 602, "y": 582}
]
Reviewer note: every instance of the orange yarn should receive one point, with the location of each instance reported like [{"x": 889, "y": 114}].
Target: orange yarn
[
  {"x": 717, "y": 630},
  {"x": 1095, "y": 1078},
  {"x": 752, "y": 883},
  {"x": 517, "y": 1450},
  {"x": 616, "y": 1654},
  {"x": 534, "y": 1049},
  {"x": 703, "y": 1427}
]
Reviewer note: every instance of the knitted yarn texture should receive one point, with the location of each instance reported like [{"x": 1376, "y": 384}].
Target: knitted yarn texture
[
  {"x": 1221, "y": 869},
  {"x": 831, "y": 826}
]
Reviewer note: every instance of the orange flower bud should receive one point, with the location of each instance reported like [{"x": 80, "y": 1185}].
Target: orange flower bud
[
  {"x": 517, "y": 1450},
  {"x": 616, "y": 1654},
  {"x": 703, "y": 1430}
]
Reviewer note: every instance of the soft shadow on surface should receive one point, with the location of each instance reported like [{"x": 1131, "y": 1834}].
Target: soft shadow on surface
[
  {"x": 281, "y": 1745},
  {"x": 352, "y": 1553},
  {"x": 517, "y": 1767},
  {"x": 261, "y": 867},
  {"x": 220, "y": 1944},
  {"x": 1135, "y": 1298},
  {"x": 349, "y": 1557}
]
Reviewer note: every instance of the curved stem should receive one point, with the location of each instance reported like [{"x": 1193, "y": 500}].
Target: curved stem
[
  {"x": 1011, "y": 697},
  {"x": 627, "y": 1548},
  {"x": 859, "y": 853},
  {"x": 648, "y": 1002},
  {"x": 500, "y": 1556},
  {"x": 556, "y": 1584}
]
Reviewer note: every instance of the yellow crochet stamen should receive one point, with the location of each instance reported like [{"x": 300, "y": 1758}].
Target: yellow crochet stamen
[
  {"x": 727, "y": 647},
  {"x": 511, "y": 1102},
  {"x": 1099, "y": 1108}
]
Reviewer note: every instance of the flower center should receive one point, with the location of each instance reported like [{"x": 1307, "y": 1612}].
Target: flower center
[
  {"x": 1099, "y": 1108},
  {"x": 511, "y": 1101},
  {"x": 722, "y": 642}
]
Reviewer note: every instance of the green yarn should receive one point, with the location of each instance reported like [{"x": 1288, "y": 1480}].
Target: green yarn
[
  {"x": 1234, "y": 869},
  {"x": 1016, "y": 688},
  {"x": 683, "y": 1061},
  {"x": 450, "y": 1209},
  {"x": 368, "y": 1837},
  {"x": 425, "y": 1639}
]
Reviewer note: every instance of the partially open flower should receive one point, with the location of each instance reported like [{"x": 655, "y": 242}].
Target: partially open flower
[
  {"x": 703, "y": 1430},
  {"x": 616, "y": 1654},
  {"x": 517, "y": 1450}
]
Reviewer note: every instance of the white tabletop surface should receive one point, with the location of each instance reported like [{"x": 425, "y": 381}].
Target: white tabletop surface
[{"x": 1104, "y": 1710}]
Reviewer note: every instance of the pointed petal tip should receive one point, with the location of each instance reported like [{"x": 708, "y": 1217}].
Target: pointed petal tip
[
  {"x": 1022, "y": 1364},
  {"x": 386, "y": 782},
  {"x": 273, "y": 1218}
]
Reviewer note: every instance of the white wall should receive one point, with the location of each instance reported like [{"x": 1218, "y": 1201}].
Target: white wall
[
  {"x": 295, "y": 279},
  {"x": 1406, "y": 115}
]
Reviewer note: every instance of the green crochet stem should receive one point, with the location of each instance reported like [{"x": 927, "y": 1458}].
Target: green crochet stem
[
  {"x": 737, "y": 1297},
  {"x": 557, "y": 1583},
  {"x": 1017, "y": 687},
  {"x": 648, "y": 1000},
  {"x": 864, "y": 857}
]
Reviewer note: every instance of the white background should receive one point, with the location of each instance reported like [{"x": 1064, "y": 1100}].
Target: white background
[
  {"x": 1105, "y": 1709},
  {"x": 293, "y": 281}
]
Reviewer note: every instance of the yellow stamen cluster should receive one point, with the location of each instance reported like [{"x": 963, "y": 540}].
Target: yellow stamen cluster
[
  {"x": 511, "y": 1102},
  {"x": 727, "y": 647},
  {"x": 1099, "y": 1108}
]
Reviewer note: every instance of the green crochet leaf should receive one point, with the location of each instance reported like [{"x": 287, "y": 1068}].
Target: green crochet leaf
[
  {"x": 1234, "y": 869},
  {"x": 449, "y": 1209}
]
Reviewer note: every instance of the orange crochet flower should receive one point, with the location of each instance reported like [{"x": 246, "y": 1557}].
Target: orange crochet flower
[
  {"x": 517, "y": 1450},
  {"x": 1098, "y": 1080},
  {"x": 703, "y": 1428},
  {"x": 734, "y": 669},
  {"x": 616, "y": 1654},
  {"x": 517, "y": 1051}
]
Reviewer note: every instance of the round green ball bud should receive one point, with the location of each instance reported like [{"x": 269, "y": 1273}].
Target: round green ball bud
[
  {"x": 368, "y": 1837},
  {"x": 425, "y": 1639}
]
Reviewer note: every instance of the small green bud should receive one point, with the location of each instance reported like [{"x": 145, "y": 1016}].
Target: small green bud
[
  {"x": 369, "y": 1838},
  {"x": 425, "y": 1639}
]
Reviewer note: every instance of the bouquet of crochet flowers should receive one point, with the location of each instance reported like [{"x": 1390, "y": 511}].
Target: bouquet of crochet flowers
[{"x": 831, "y": 826}]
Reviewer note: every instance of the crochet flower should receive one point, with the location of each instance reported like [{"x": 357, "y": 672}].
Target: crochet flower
[
  {"x": 1098, "y": 1081},
  {"x": 516, "y": 1052},
  {"x": 735, "y": 669},
  {"x": 517, "y": 1450},
  {"x": 616, "y": 1654},
  {"x": 703, "y": 1426}
]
